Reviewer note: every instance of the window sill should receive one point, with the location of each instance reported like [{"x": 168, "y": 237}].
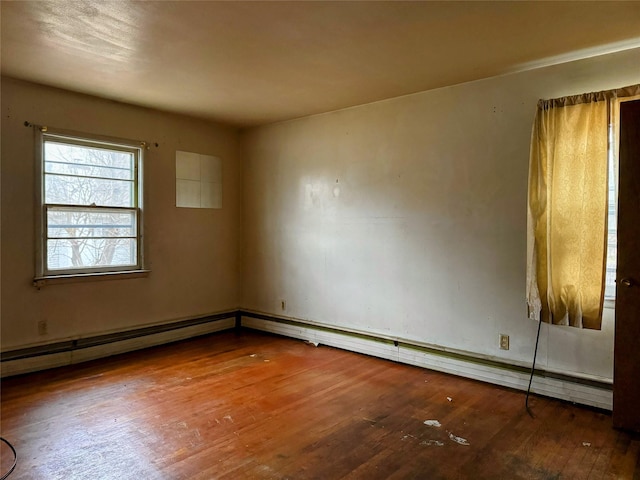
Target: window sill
[{"x": 40, "y": 282}]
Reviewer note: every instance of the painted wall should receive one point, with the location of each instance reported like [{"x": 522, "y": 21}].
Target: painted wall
[
  {"x": 407, "y": 217},
  {"x": 193, "y": 254}
]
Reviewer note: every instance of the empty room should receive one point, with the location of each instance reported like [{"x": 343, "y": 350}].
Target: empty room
[{"x": 320, "y": 240}]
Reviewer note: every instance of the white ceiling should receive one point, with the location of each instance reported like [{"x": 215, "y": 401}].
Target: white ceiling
[{"x": 251, "y": 63}]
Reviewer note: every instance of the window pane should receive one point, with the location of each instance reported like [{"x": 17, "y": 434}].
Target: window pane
[
  {"x": 612, "y": 234},
  {"x": 87, "y": 191},
  {"x": 63, "y": 254},
  {"x": 90, "y": 223},
  {"x": 86, "y": 161},
  {"x": 90, "y": 199}
]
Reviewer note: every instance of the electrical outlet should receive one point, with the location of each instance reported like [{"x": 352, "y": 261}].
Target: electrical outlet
[
  {"x": 504, "y": 342},
  {"x": 42, "y": 327},
  {"x": 283, "y": 305}
]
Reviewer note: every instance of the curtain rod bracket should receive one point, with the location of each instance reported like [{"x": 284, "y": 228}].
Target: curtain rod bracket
[{"x": 42, "y": 128}]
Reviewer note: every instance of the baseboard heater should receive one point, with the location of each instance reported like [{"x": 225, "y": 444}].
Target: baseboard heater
[
  {"x": 41, "y": 357},
  {"x": 573, "y": 388}
]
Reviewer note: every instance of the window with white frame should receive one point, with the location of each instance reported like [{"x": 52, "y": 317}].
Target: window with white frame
[{"x": 90, "y": 196}]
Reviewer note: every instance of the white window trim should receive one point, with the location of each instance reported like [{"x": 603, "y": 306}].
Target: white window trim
[{"x": 43, "y": 276}]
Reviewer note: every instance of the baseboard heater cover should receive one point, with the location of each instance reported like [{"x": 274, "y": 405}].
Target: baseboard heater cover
[
  {"x": 561, "y": 386},
  {"x": 26, "y": 360}
]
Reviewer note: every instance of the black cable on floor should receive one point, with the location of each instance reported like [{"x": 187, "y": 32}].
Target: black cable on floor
[
  {"x": 15, "y": 459},
  {"x": 533, "y": 368}
]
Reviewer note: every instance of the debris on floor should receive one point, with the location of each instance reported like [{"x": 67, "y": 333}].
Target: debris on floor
[
  {"x": 432, "y": 423},
  {"x": 431, "y": 443},
  {"x": 459, "y": 440}
]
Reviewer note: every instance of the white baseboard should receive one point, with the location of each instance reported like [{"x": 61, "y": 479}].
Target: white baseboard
[
  {"x": 560, "y": 388},
  {"x": 60, "y": 359}
]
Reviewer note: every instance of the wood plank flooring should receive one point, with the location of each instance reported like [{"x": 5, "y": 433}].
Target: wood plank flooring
[{"x": 247, "y": 405}]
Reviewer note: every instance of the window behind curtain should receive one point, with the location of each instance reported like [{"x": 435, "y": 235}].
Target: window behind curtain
[{"x": 612, "y": 220}]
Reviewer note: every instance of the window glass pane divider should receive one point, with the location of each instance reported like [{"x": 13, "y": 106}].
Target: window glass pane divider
[
  {"x": 75, "y": 207},
  {"x": 108, "y": 167},
  {"x": 130, "y": 180},
  {"x": 125, "y": 237}
]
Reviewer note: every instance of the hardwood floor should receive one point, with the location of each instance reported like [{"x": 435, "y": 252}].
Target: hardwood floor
[{"x": 249, "y": 405}]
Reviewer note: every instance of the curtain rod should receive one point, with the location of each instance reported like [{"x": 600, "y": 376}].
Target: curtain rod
[
  {"x": 629, "y": 91},
  {"x": 43, "y": 128}
]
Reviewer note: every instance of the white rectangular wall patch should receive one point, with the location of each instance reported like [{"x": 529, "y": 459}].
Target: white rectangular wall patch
[{"x": 198, "y": 180}]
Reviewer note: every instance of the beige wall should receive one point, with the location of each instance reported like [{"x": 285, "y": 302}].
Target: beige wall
[
  {"x": 407, "y": 217},
  {"x": 193, "y": 254}
]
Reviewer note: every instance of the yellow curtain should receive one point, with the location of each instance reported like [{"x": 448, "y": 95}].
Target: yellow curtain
[{"x": 567, "y": 218}]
